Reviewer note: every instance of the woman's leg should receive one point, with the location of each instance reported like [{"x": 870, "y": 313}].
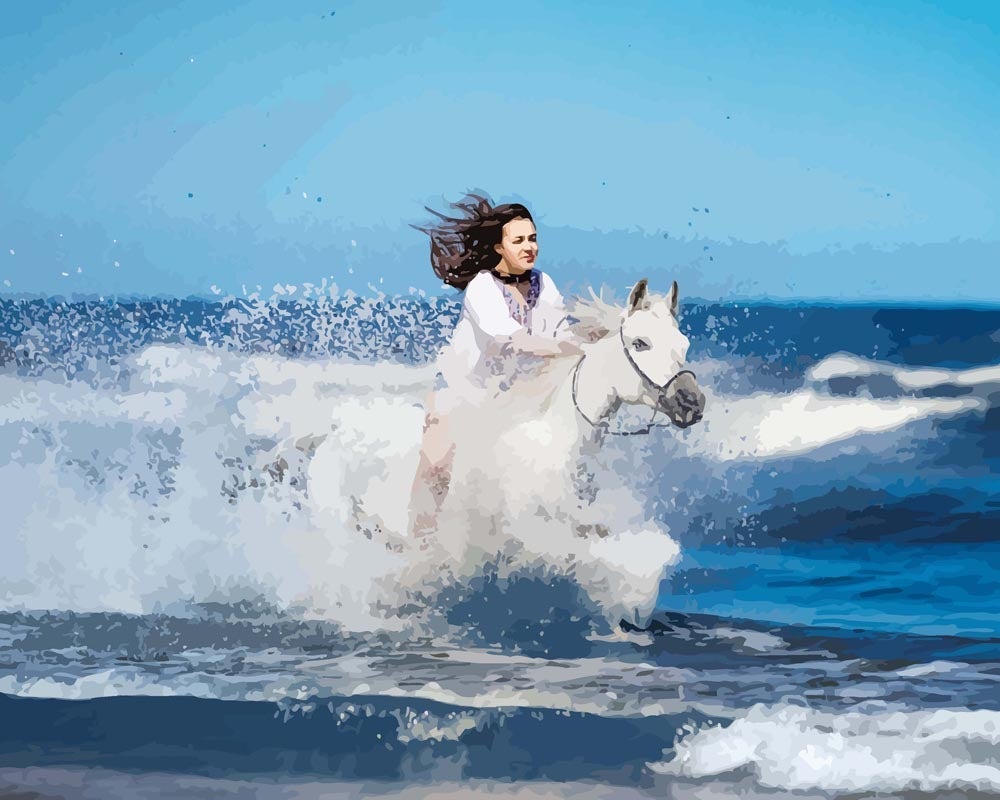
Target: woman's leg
[{"x": 433, "y": 477}]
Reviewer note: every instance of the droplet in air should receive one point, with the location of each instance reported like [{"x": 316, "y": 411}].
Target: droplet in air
[
  {"x": 190, "y": 194},
  {"x": 319, "y": 199}
]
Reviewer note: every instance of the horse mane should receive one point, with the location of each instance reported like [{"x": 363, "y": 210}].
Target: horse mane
[{"x": 594, "y": 318}]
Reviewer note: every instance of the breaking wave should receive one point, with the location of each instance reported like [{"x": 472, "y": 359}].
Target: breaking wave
[
  {"x": 794, "y": 748},
  {"x": 264, "y": 450}
]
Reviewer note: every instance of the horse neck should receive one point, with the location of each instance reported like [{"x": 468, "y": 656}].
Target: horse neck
[{"x": 595, "y": 395}]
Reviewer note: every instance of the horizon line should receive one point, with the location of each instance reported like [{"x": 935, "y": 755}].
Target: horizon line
[{"x": 764, "y": 300}]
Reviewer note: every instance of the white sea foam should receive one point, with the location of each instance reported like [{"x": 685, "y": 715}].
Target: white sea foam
[
  {"x": 756, "y": 641},
  {"x": 794, "y": 748},
  {"x": 933, "y": 668},
  {"x": 217, "y": 476},
  {"x": 848, "y": 365},
  {"x": 186, "y": 485},
  {"x": 770, "y": 426},
  {"x": 131, "y": 682},
  {"x": 464, "y": 679}
]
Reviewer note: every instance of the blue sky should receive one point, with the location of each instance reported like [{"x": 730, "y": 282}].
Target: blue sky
[{"x": 777, "y": 149}]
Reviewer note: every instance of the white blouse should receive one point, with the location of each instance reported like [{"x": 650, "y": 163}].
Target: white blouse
[{"x": 487, "y": 320}]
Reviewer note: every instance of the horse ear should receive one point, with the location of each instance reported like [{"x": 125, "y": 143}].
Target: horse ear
[
  {"x": 637, "y": 295},
  {"x": 673, "y": 298}
]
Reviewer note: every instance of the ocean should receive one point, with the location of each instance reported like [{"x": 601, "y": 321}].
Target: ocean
[{"x": 189, "y": 606}]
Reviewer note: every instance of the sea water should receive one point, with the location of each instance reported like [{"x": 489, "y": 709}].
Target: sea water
[{"x": 186, "y": 592}]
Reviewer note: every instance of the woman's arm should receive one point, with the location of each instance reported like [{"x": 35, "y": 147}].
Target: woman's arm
[
  {"x": 550, "y": 317},
  {"x": 487, "y": 309},
  {"x": 537, "y": 345}
]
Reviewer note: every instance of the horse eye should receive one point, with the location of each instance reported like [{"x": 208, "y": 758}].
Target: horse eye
[{"x": 640, "y": 344}]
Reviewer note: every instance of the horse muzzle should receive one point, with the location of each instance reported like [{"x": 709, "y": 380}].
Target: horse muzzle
[{"x": 683, "y": 401}]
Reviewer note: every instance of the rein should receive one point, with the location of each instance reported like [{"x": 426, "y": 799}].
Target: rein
[{"x": 661, "y": 390}]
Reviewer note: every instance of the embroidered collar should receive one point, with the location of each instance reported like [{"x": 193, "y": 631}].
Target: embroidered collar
[{"x": 533, "y": 278}]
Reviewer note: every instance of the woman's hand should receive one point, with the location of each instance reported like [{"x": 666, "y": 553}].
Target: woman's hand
[
  {"x": 542, "y": 346},
  {"x": 569, "y": 347}
]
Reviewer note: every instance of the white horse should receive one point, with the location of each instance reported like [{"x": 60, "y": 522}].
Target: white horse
[{"x": 515, "y": 497}]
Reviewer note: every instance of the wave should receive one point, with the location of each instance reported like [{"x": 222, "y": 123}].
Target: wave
[
  {"x": 768, "y": 425},
  {"x": 849, "y": 372},
  {"x": 71, "y": 784},
  {"x": 365, "y": 738},
  {"x": 459, "y": 678},
  {"x": 207, "y": 475},
  {"x": 214, "y": 476},
  {"x": 794, "y": 748}
]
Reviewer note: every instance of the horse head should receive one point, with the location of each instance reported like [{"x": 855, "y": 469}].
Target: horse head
[{"x": 653, "y": 371}]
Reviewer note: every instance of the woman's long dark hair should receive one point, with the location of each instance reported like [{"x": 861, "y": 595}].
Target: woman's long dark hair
[{"x": 462, "y": 246}]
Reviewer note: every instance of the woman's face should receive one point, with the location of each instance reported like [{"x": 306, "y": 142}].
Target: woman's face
[{"x": 519, "y": 247}]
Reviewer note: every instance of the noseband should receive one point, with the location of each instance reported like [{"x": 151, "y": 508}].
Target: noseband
[{"x": 660, "y": 390}]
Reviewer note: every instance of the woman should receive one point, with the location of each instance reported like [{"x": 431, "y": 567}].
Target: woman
[
  {"x": 490, "y": 253},
  {"x": 509, "y": 306}
]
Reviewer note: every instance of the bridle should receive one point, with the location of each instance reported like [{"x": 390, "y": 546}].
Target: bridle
[{"x": 660, "y": 391}]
